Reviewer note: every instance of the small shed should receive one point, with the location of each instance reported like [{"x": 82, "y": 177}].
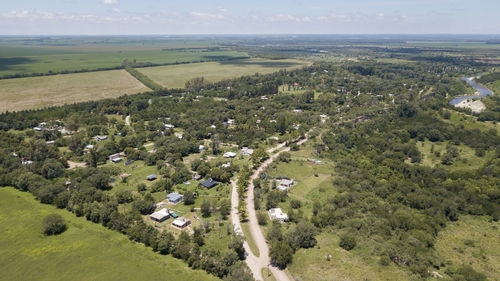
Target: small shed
[
  {"x": 151, "y": 177},
  {"x": 229, "y": 154},
  {"x": 129, "y": 162},
  {"x": 207, "y": 184},
  {"x": 174, "y": 197},
  {"x": 160, "y": 216}
]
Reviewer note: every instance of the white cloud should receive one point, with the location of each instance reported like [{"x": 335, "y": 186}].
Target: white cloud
[
  {"x": 288, "y": 18},
  {"x": 207, "y": 16},
  {"x": 109, "y": 1}
]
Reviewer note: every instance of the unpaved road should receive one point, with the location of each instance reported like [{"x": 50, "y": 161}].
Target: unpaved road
[{"x": 257, "y": 263}]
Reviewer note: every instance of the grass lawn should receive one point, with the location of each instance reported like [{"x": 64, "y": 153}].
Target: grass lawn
[
  {"x": 267, "y": 274},
  {"x": 467, "y": 158},
  {"x": 474, "y": 241},
  {"x": 175, "y": 76},
  {"x": 249, "y": 239},
  {"x": 38, "y": 92},
  {"x": 86, "y": 251},
  {"x": 357, "y": 264},
  {"x": 470, "y": 122}
]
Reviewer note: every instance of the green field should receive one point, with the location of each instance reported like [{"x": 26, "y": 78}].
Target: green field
[
  {"x": 473, "y": 241},
  {"x": 43, "y": 59},
  {"x": 86, "y": 251},
  {"x": 38, "y": 92},
  {"x": 175, "y": 76}
]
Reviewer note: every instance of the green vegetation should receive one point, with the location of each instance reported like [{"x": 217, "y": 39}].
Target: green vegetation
[
  {"x": 471, "y": 241},
  {"x": 249, "y": 239},
  {"x": 53, "y": 224},
  {"x": 26, "y": 254},
  {"x": 143, "y": 78}
]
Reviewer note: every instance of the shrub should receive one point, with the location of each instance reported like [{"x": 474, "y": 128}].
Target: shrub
[
  {"x": 347, "y": 242},
  {"x": 53, "y": 224},
  {"x": 262, "y": 218}
]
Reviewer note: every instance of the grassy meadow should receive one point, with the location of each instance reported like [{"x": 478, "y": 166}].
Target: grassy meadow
[
  {"x": 175, "y": 76},
  {"x": 38, "y": 92},
  {"x": 86, "y": 251},
  {"x": 474, "y": 241}
]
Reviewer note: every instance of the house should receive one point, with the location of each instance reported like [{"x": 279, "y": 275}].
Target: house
[
  {"x": 181, "y": 222},
  {"x": 130, "y": 162},
  {"x": 89, "y": 146},
  {"x": 229, "y": 155},
  {"x": 178, "y": 135},
  {"x": 197, "y": 177},
  {"x": 174, "y": 197},
  {"x": 207, "y": 184},
  {"x": 50, "y": 142},
  {"x": 101, "y": 138},
  {"x": 263, "y": 97},
  {"x": 115, "y": 158},
  {"x": 38, "y": 128},
  {"x": 213, "y": 126},
  {"x": 285, "y": 184},
  {"x": 276, "y": 214},
  {"x": 169, "y": 126},
  {"x": 151, "y": 177},
  {"x": 160, "y": 216},
  {"x": 246, "y": 151},
  {"x": 26, "y": 162},
  {"x": 201, "y": 148},
  {"x": 226, "y": 165},
  {"x": 124, "y": 176}
]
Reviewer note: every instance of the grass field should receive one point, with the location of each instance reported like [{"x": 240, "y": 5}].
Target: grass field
[
  {"x": 38, "y": 92},
  {"x": 86, "y": 251},
  {"x": 175, "y": 76},
  {"x": 358, "y": 264},
  {"x": 474, "y": 241},
  {"x": 42, "y": 59}
]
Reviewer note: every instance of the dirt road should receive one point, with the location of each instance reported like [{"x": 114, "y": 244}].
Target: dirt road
[{"x": 257, "y": 263}]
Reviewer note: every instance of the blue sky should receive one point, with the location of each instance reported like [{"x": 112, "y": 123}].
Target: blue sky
[{"x": 35, "y": 17}]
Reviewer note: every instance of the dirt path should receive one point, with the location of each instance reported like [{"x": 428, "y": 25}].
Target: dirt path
[{"x": 257, "y": 263}]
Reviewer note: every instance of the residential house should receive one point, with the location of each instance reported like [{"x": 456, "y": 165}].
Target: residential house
[
  {"x": 169, "y": 126},
  {"x": 115, "y": 158},
  {"x": 101, "y": 138},
  {"x": 160, "y": 215},
  {"x": 207, "y": 184},
  {"x": 151, "y": 177},
  {"x": 246, "y": 151},
  {"x": 174, "y": 197},
  {"x": 201, "y": 148},
  {"x": 181, "y": 222},
  {"x": 275, "y": 214},
  {"x": 285, "y": 184},
  {"x": 229, "y": 155}
]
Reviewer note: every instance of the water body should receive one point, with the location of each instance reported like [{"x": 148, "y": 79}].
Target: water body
[{"x": 482, "y": 90}]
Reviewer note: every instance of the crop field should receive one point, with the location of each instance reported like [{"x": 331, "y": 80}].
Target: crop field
[
  {"x": 175, "y": 76},
  {"x": 86, "y": 251},
  {"x": 38, "y": 92},
  {"x": 473, "y": 241},
  {"x": 45, "y": 59}
]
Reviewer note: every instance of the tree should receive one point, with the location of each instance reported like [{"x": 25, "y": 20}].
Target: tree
[
  {"x": 205, "y": 208},
  {"x": 188, "y": 198},
  {"x": 237, "y": 245},
  {"x": 261, "y": 218},
  {"x": 281, "y": 253},
  {"x": 225, "y": 208},
  {"x": 285, "y": 157},
  {"x": 52, "y": 169},
  {"x": 302, "y": 235},
  {"x": 53, "y": 224},
  {"x": 347, "y": 242}
]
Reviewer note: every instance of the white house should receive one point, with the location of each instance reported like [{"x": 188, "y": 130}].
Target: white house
[
  {"x": 181, "y": 222},
  {"x": 278, "y": 215},
  {"x": 246, "y": 151},
  {"x": 201, "y": 148},
  {"x": 115, "y": 158},
  {"x": 229, "y": 155},
  {"x": 285, "y": 184},
  {"x": 160, "y": 216},
  {"x": 169, "y": 126}
]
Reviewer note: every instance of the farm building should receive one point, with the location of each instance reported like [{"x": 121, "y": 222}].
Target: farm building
[
  {"x": 246, "y": 151},
  {"x": 229, "y": 155},
  {"x": 174, "y": 197},
  {"x": 151, "y": 177},
  {"x": 181, "y": 222},
  {"x": 207, "y": 184},
  {"x": 286, "y": 184},
  {"x": 115, "y": 158},
  {"x": 160, "y": 216},
  {"x": 278, "y": 215}
]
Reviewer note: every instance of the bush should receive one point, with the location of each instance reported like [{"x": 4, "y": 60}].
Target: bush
[
  {"x": 53, "y": 224},
  {"x": 262, "y": 218},
  {"x": 347, "y": 242}
]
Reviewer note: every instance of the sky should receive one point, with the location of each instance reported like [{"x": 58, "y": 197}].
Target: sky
[{"x": 142, "y": 17}]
